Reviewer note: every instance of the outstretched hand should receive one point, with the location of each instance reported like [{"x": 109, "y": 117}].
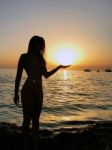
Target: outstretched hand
[{"x": 66, "y": 66}]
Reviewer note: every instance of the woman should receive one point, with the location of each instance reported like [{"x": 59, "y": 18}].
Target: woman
[{"x": 32, "y": 94}]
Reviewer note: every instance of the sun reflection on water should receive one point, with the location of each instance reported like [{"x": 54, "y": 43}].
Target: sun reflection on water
[{"x": 65, "y": 74}]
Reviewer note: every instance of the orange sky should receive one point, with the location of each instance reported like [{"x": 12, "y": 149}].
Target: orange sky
[{"x": 85, "y": 24}]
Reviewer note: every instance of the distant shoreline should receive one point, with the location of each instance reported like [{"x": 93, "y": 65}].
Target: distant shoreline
[{"x": 106, "y": 69}]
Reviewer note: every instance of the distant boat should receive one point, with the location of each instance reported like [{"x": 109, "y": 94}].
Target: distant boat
[
  {"x": 108, "y": 70},
  {"x": 87, "y": 70},
  {"x": 98, "y": 71}
]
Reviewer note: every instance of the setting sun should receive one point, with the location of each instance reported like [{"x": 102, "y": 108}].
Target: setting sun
[{"x": 65, "y": 54}]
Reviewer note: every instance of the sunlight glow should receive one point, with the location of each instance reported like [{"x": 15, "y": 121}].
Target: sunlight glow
[{"x": 66, "y": 54}]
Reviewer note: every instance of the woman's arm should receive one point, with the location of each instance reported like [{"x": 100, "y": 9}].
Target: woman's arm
[
  {"x": 48, "y": 74},
  {"x": 18, "y": 79}
]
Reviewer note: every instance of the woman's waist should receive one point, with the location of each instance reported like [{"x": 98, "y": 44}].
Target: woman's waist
[{"x": 34, "y": 80}]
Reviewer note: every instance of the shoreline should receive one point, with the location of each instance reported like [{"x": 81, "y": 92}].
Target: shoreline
[{"x": 95, "y": 135}]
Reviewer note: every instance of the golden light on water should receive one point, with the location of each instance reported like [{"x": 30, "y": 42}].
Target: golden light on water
[
  {"x": 65, "y": 74},
  {"x": 65, "y": 54}
]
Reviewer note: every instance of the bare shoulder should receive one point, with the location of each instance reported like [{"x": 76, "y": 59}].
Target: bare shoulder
[
  {"x": 22, "y": 58},
  {"x": 23, "y": 55}
]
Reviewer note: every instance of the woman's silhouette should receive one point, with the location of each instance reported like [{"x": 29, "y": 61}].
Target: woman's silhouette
[{"x": 34, "y": 65}]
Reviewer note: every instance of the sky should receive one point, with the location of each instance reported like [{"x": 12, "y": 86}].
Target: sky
[{"x": 86, "y": 24}]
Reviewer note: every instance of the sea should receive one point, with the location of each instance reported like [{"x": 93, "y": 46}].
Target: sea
[{"x": 69, "y": 96}]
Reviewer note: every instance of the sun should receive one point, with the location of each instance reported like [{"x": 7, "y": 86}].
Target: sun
[{"x": 64, "y": 54}]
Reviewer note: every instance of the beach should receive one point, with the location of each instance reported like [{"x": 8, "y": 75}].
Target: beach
[
  {"x": 95, "y": 135},
  {"x": 76, "y": 113}
]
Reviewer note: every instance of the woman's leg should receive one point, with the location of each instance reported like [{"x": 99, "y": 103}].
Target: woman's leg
[
  {"x": 26, "y": 120},
  {"x": 25, "y": 130},
  {"x": 27, "y": 97},
  {"x": 35, "y": 130},
  {"x": 35, "y": 123}
]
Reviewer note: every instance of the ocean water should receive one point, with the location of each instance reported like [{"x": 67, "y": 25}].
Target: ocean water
[{"x": 68, "y": 96}]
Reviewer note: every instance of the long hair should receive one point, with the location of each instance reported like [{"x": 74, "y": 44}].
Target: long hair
[{"x": 37, "y": 45}]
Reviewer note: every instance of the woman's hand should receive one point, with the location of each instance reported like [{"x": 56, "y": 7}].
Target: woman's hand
[
  {"x": 16, "y": 99},
  {"x": 62, "y": 66}
]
